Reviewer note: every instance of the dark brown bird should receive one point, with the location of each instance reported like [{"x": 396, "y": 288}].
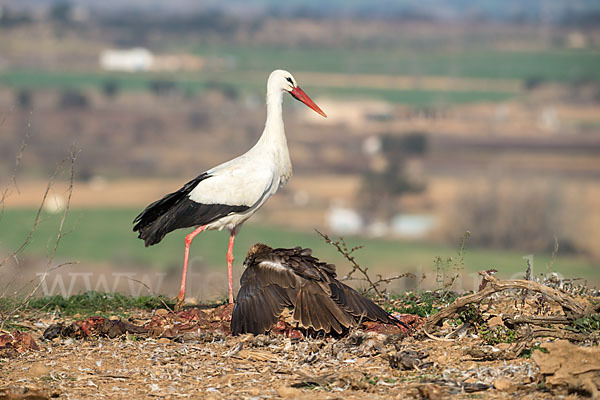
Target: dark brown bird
[{"x": 278, "y": 278}]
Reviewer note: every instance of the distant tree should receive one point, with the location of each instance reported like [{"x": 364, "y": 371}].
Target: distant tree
[
  {"x": 533, "y": 82},
  {"x": 24, "y": 98},
  {"x": 10, "y": 18},
  {"x": 60, "y": 12},
  {"x": 199, "y": 119},
  {"x": 161, "y": 87},
  {"x": 512, "y": 218},
  {"x": 72, "y": 98},
  {"x": 111, "y": 88},
  {"x": 411, "y": 144},
  {"x": 230, "y": 92},
  {"x": 381, "y": 187}
]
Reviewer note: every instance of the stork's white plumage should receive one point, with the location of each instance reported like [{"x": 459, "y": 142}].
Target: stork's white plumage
[{"x": 225, "y": 196}]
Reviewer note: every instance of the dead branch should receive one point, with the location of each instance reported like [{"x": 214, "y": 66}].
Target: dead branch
[
  {"x": 559, "y": 334},
  {"x": 13, "y": 178},
  {"x": 527, "y": 278},
  {"x": 152, "y": 293},
  {"x": 389, "y": 280},
  {"x": 511, "y": 320},
  {"x": 37, "y": 219},
  {"x": 72, "y": 158},
  {"x": 571, "y": 307},
  {"x": 342, "y": 248},
  {"x": 59, "y": 235}
]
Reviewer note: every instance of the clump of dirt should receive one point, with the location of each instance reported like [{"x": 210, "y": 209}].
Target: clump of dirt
[
  {"x": 567, "y": 367},
  {"x": 14, "y": 343}
]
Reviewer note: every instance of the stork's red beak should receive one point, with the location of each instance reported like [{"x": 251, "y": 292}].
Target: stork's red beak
[{"x": 303, "y": 97}]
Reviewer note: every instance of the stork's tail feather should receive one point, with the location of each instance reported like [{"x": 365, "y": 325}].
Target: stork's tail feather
[
  {"x": 150, "y": 223},
  {"x": 150, "y": 234}
]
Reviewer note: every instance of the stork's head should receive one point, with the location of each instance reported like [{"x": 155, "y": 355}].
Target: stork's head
[{"x": 284, "y": 81}]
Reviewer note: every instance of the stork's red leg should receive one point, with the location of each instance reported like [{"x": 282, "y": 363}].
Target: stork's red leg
[
  {"x": 230, "y": 265},
  {"x": 188, "y": 242}
]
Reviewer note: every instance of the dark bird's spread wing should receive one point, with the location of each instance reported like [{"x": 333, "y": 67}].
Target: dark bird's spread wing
[
  {"x": 265, "y": 291},
  {"x": 176, "y": 210},
  {"x": 279, "y": 278},
  {"x": 356, "y": 304},
  {"x": 317, "y": 310}
]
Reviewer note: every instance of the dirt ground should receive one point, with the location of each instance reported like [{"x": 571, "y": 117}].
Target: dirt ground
[
  {"x": 264, "y": 368},
  {"x": 217, "y": 365},
  {"x": 163, "y": 354}
]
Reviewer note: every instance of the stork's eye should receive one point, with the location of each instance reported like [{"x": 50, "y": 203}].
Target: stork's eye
[{"x": 287, "y": 78}]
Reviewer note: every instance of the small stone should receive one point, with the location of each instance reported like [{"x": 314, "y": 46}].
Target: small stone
[
  {"x": 502, "y": 384},
  {"x": 161, "y": 311},
  {"x": 503, "y": 346},
  {"x": 246, "y": 338},
  {"x": 288, "y": 392},
  {"x": 164, "y": 340},
  {"x": 192, "y": 301},
  {"x": 38, "y": 369},
  {"x": 432, "y": 392}
]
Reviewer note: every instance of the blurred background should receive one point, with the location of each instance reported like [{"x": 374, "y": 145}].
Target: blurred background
[{"x": 444, "y": 117}]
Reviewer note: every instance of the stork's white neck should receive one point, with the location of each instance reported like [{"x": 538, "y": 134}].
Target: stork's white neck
[
  {"x": 273, "y": 140},
  {"x": 274, "y": 111}
]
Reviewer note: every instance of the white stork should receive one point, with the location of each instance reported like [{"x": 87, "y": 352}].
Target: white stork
[{"x": 227, "y": 195}]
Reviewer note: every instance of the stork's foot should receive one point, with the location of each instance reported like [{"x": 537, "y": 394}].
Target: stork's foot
[{"x": 179, "y": 304}]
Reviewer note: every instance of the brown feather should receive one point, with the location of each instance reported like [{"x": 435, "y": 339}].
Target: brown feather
[{"x": 278, "y": 278}]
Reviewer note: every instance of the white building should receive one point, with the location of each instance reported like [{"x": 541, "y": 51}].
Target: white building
[
  {"x": 344, "y": 221},
  {"x": 129, "y": 60}
]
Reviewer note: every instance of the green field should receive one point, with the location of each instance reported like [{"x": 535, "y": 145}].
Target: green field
[
  {"x": 106, "y": 236},
  {"x": 72, "y": 80},
  {"x": 193, "y": 84},
  {"x": 558, "y": 65},
  {"x": 562, "y": 66}
]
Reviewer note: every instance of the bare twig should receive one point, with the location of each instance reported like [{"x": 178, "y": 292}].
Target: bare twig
[
  {"x": 152, "y": 293},
  {"x": 59, "y": 234},
  {"x": 389, "y": 280},
  {"x": 375, "y": 285},
  {"x": 527, "y": 278},
  {"x": 535, "y": 319},
  {"x": 37, "y": 219},
  {"x": 342, "y": 248},
  {"x": 554, "y": 254},
  {"x": 13, "y": 179},
  {"x": 560, "y": 334},
  {"x": 72, "y": 158}
]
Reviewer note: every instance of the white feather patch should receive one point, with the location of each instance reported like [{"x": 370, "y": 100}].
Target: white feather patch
[
  {"x": 234, "y": 184},
  {"x": 274, "y": 266}
]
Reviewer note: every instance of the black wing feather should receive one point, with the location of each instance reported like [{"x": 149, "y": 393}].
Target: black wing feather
[{"x": 176, "y": 210}]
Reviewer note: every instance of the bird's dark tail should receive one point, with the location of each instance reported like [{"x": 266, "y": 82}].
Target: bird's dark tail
[
  {"x": 150, "y": 222},
  {"x": 157, "y": 219},
  {"x": 176, "y": 210}
]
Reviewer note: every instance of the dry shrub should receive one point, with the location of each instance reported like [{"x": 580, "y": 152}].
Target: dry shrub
[{"x": 520, "y": 216}]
